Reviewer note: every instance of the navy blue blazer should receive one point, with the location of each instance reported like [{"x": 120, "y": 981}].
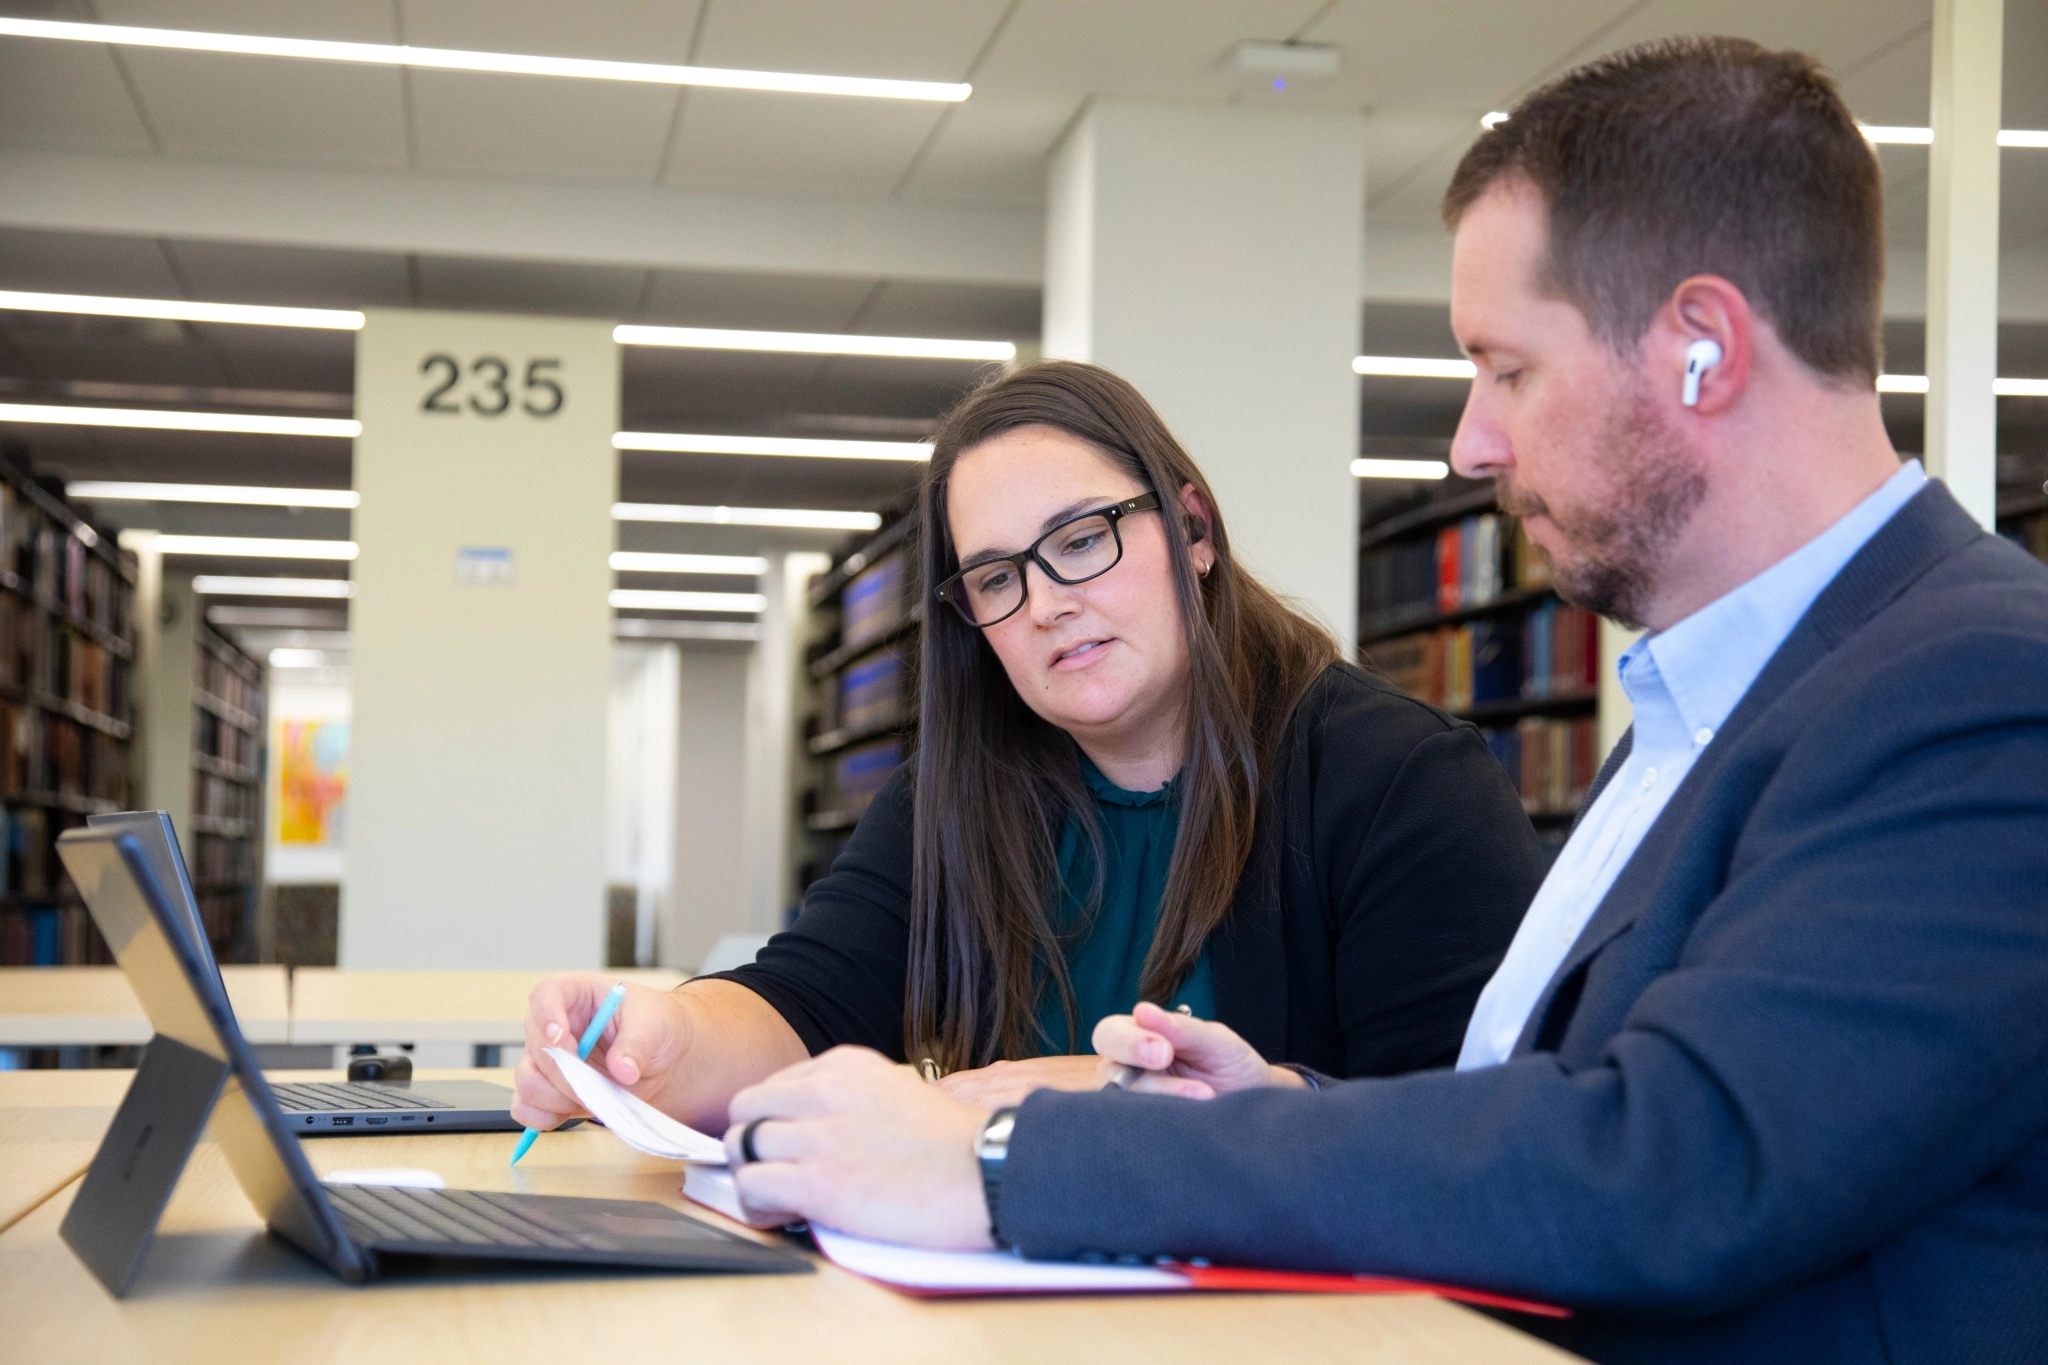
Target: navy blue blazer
[{"x": 1787, "y": 1097}]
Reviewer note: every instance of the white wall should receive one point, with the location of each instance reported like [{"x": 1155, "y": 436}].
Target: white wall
[
  {"x": 640, "y": 783},
  {"x": 710, "y": 879},
  {"x": 1211, "y": 257}
]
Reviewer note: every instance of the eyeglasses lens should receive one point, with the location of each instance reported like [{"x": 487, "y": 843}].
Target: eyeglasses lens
[{"x": 1078, "y": 551}]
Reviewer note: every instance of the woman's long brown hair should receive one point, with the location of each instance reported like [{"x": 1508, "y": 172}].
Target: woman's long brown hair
[{"x": 996, "y": 783}]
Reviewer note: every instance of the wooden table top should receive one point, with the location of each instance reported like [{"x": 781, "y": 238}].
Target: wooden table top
[
  {"x": 64, "y": 1006},
  {"x": 344, "y": 1005},
  {"x": 217, "y": 1289}
]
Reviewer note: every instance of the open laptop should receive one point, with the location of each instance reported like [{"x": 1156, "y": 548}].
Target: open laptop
[
  {"x": 329, "y": 1108},
  {"x": 199, "y": 1067}
]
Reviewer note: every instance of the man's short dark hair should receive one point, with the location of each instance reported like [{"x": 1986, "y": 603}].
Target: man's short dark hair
[{"x": 1692, "y": 156}]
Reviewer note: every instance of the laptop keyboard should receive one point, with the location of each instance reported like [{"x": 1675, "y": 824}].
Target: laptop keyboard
[
  {"x": 389, "y": 1213},
  {"x": 300, "y": 1097}
]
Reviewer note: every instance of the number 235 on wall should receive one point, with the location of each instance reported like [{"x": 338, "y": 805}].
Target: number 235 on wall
[{"x": 489, "y": 392}]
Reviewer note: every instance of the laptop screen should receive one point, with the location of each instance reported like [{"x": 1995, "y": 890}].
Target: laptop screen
[{"x": 159, "y": 844}]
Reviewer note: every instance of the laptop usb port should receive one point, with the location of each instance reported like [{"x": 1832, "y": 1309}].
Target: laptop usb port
[
  {"x": 373, "y": 1120},
  {"x": 344, "y": 1122}
]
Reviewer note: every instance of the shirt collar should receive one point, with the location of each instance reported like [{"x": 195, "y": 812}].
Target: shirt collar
[
  {"x": 1708, "y": 660},
  {"x": 1102, "y": 789}
]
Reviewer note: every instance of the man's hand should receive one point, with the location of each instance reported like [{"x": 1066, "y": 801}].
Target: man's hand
[
  {"x": 1192, "y": 1058},
  {"x": 1005, "y": 1083},
  {"x": 641, "y": 1047},
  {"x": 861, "y": 1145}
]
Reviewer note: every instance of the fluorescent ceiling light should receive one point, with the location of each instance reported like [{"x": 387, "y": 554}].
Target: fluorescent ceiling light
[
  {"x": 1902, "y": 383},
  {"x": 1493, "y": 120},
  {"x": 229, "y": 585},
  {"x": 1413, "y": 367},
  {"x": 2020, "y": 388},
  {"x": 801, "y": 518},
  {"x": 1898, "y": 135},
  {"x": 88, "y": 490},
  {"x": 509, "y": 63},
  {"x": 812, "y": 343},
  {"x": 771, "y": 445},
  {"x": 253, "y": 547},
  {"x": 1399, "y": 469},
  {"x": 180, "y": 310},
  {"x": 652, "y": 628},
  {"x": 282, "y": 657},
  {"x": 636, "y": 561},
  {"x": 158, "y": 419},
  {"x": 649, "y": 600}
]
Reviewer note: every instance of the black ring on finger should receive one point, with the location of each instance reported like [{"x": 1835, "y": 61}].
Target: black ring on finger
[{"x": 747, "y": 1152}]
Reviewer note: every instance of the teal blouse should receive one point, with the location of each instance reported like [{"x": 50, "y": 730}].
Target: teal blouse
[{"x": 1106, "y": 957}]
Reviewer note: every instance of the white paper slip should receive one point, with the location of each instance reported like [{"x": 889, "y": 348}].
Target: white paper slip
[
  {"x": 713, "y": 1187},
  {"x": 985, "y": 1272},
  {"x": 639, "y": 1124}
]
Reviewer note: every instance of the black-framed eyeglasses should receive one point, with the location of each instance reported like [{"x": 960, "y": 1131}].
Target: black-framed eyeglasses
[{"x": 1076, "y": 550}]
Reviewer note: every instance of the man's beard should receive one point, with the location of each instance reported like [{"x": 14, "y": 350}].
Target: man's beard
[{"x": 1613, "y": 550}]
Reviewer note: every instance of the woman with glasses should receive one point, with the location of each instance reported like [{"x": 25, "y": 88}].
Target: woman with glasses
[{"x": 1139, "y": 775}]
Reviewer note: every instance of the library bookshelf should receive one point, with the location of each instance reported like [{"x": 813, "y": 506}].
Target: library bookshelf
[
  {"x": 862, "y": 659},
  {"x": 226, "y": 832},
  {"x": 67, "y": 659},
  {"x": 1456, "y": 607}
]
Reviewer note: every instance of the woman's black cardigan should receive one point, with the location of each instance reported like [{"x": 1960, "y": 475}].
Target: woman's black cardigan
[{"x": 1404, "y": 865}]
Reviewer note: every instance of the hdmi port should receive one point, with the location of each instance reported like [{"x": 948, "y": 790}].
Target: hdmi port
[{"x": 374, "y": 1121}]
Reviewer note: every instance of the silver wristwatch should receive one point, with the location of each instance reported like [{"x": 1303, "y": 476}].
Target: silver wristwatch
[{"x": 991, "y": 1150}]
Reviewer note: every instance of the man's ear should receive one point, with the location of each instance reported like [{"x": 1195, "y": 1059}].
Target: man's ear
[{"x": 1706, "y": 328}]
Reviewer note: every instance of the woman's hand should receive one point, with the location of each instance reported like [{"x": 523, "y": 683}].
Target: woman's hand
[
  {"x": 1005, "y": 1083},
  {"x": 856, "y": 1143},
  {"x": 641, "y": 1047},
  {"x": 1184, "y": 1056}
]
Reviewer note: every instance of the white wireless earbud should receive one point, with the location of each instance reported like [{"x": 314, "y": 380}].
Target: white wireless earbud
[{"x": 1701, "y": 356}]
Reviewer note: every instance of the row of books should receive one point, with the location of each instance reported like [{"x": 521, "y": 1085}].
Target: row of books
[
  {"x": 222, "y": 799},
  {"x": 859, "y": 773},
  {"x": 28, "y": 851},
  {"x": 45, "y": 753},
  {"x": 230, "y": 682},
  {"x": 1466, "y": 564},
  {"x": 1549, "y": 651},
  {"x": 1552, "y": 761},
  {"x": 57, "y": 567},
  {"x": 51, "y": 936},
  {"x": 875, "y": 601},
  {"x": 220, "y": 861},
  {"x": 42, "y": 654},
  {"x": 216, "y": 738}
]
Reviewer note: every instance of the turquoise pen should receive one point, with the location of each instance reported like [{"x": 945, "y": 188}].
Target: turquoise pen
[{"x": 604, "y": 1014}]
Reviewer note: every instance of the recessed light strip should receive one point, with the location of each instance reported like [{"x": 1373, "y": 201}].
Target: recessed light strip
[
  {"x": 182, "y": 310},
  {"x": 640, "y": 561},
  {"x": 505, "y": 63},
  {"x": 250, "y": 547},
  {"x": 1897, "y": 135},
  {"x": 160, "y": 419},
  {"x": 698, "y": 444},
  {"x": 88, "y": 490},
  {"x": 793, "y": 518},
  {"x": 647, "y": 599},
  {"x": 813, "y": 343},
  {"x": 1424, "y": 367},
  {"x": 230, "y": 585}
]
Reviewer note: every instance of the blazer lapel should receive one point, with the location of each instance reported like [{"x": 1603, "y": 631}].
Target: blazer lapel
[{"x": 1926, "y": 530}]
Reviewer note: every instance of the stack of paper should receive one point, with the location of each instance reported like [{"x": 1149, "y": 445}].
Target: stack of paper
[{"x": 639, "y": 1124}]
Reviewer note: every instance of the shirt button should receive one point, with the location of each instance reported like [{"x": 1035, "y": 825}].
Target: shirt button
[
  {"x": 1649, "y": 777},
  {"x": 1703, "y": 736}
]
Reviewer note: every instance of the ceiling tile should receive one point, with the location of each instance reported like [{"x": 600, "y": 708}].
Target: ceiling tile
[
  {"x": 1459, "y": 54},
  {"x": 899, "y": 39},
  {"x": 349, "y": 21},
  {"x": 1165, "y": 49},
  {"x": 1842, "y": 33},
  {"x": 303, "y": 277},
  {"x": 615, "y": 30},
  {"x": 926, "y": 309},
  {"x": 762, "y": 481},
  {"x": 993, "y": 150},
  {"x": 258, "y": 109},
  {"x": 296, "y": 360},
  {"x": 2025, "y": 89},
  {"x": 85, "y": 263},
  {"x": 66, "y": 95},
  {"x": 526, "y": 126},
  {"x": 770, "y": 303},
  {"x": 589, "y": 291},
  {"x": 798, "y": 144},
  {"x": 1890, "y": 85}
]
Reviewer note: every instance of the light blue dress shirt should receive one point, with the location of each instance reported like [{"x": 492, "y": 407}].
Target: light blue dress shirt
[{"x": 1683, "y": 682}]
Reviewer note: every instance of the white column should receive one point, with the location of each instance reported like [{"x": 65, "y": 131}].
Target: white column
[
  {"x": 710, "y": 845},
  {"x": 1962, "y": 252},
  {"x": 1213, "y": 257},
  {"x": 481, "y": 642},
  {"x": 166, "y": 629}
]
